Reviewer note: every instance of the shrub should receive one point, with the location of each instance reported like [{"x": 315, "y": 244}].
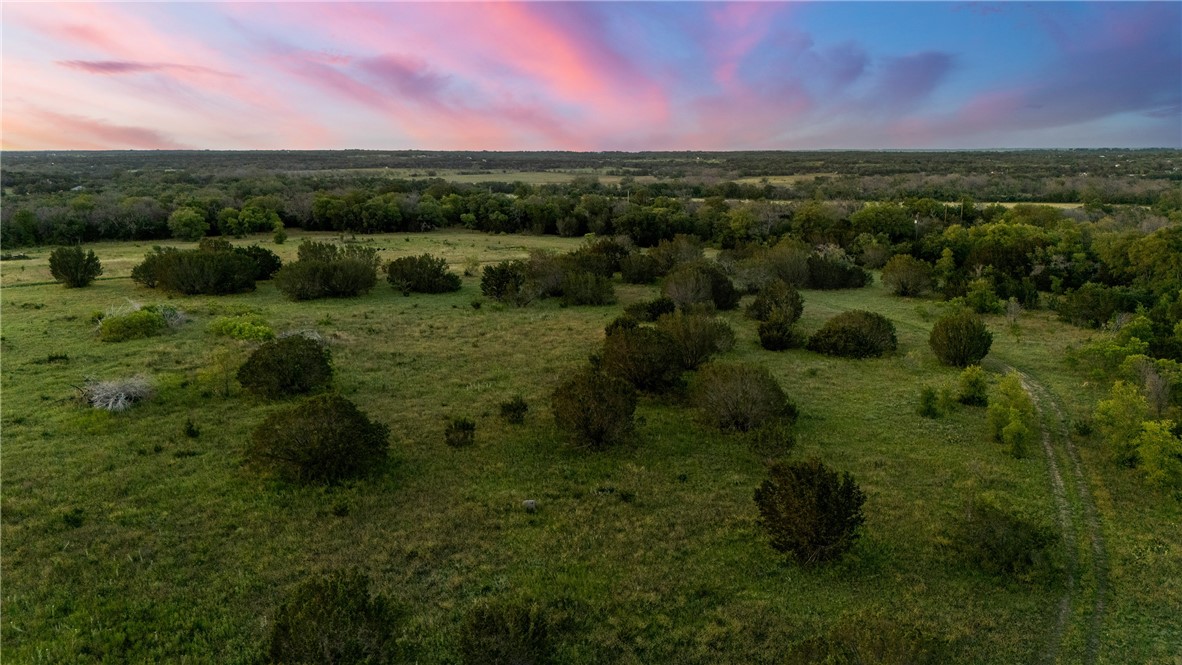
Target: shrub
[
  {"x": 1011, "y": 416},
  {"x": 514, "y": 410},
  {"x": 833, "y": 273},
  {"x": 644, "y": 357},
  {"x": 324, "y": 439},
  {"x": 506, "y": 633},
  {"x": 325, "y": 270},
  {"x": 855, "y": 334},
  {"x": 622, "y": 322},
  {"x": 505, "y": 281},
  {"x": 1001, "y": 542},
  {"x": 650, "y": 310},
  {"x": 974, "y": 389},
  {"x": 421, "y": 274},
  {"x": 777, "y": 298},
  {"x": 960, "y": 339},
  {"x": 639, "y": 268},
  {"x": 1119, "y": 420},
  {"x": 1159, "y": 454},
  {"x": 266, "y": 262},
  {"x": 906, "y": 275},
  {"x": 287, "y": 366},
  {"x": 209, "y": 270},
  {"x": 811, "y": 512},
  {"x": 246, "y": 327},
  {"x": 460, "y": 432},
  {"x": 740, "y": 397},
  {"x": 699, "y": 282},
  {"x": 117, "y": 395},
  {"x": 333, "y": 619},
  {"x": 73, "y": 267},
  {"x": 929, "y": 406},
  {"x": 777, "y": 334},
  {"x": 137, "y": 324},
  {"x": 696, "y": 337},
  {"x": 586, "y": 288},
  {"x": 594, "y": 410},
  {"x": 982, "y": 299}
]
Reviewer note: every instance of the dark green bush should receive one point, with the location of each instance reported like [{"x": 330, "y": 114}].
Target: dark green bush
[
  {"x": 1092, "y": 305},
  {"x": 638, "y": 268},
  {"x": 287, "y": 366},
  {"x": 141, "y": 323},
  {"x": 206, "y": 271},
  {"x": 739, "y": 397},
  {"x": 680, "y": 250},
  {"x": 334, "y": 620},
  {"x": 514, "y": 410},
  {"x": 587, "y": 288},
  {"x": 325, "y": 270},
  {"x": 696, "y": 337},
  {"x": 960, "y": 339},
  {"x": 700, "y": 282},
  {"x": 778, "y": 334},
  {"x": 855, "y": 334},
  {"x": 1000, "y": 542},
  {"x": 73, "y": 267},
  {"x": 650, "y": 310},
  {"x": 622, "y": 322},
  {"x": 421, "y": 274},
  {"x": 810, "y": 512},
  {"x": 777, "y": 298},
  {"x": 929, "y": 403},
  {"x": 323, "y": 439},
  {"x": 830, "y": 273},
  {"x": 506, "y": 633},
  {"x": 505, "y": 281},
  {"x": 644, "y": 357},
  {"x": 460, "y": 432},
  {"x": 594, "y": 410},
  {"x": 266, "y": 262}
]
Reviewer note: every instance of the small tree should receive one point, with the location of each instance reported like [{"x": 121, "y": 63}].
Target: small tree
[
  {"x": 960, "y": 339},
  {"x": 421, "y": 274},
  {"x": 906, "y": 275},
  {"x": 324, "y": 439},
  {"x": 1011, "y": 416},
  {"x": 645, "y": 357},
  {"x": 594, "y": 410},
  {"x": 811, "y": 512},
  {"x": 974, "y": 389},
  {"x": 1159, "y": 451},
  {"x": 73, "y": 267},
  {"x": 187, "y": 224},
  {"x": 1119, "y": 419},
  {"x": 778, "y": 298},
  {"x": 696, "y": 337}
]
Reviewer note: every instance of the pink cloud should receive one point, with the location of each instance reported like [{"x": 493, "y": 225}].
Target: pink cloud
[{"x": 48, "y": 129}]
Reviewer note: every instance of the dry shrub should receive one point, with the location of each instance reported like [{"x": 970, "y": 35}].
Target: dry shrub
[
  {"x": 740, "y": 397},
  {"x": 116, "y": 395}
]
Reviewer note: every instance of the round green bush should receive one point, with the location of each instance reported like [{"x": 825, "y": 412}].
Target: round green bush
[
  {"x": 334, "y": 619},
  {"x": 906, "y": 275},
  {"x": 696, "y": 337},
  {"x": 737, "y": 397},
  {"x": 777, "y": 334},
  {"x": 73, "y": 267},
  {"x": 645, "y": 357},
  {"x": 960, "y": 339},
  {"x": 247, "y": 327},
  {"x": 323, "y": 439},
  {"x": 287, "y": 366},
  {"x": 855, "y": 334},
  {"x": 594, "y": 410},
  {"x": 421, "y": 274},
  {"x": 778, "y": 298},
  {"x": 810, "y": 511}
]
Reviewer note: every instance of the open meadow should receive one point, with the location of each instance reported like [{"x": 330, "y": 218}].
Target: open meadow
[{"x": 142, "y": 537}]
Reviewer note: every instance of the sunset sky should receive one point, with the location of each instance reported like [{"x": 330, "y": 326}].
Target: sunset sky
[{"x": 591, "y": 76}]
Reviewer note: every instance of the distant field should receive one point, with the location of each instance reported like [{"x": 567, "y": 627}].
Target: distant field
[
  {"x": 459, "y": 175},
  {"x": 126, "y": 541}
]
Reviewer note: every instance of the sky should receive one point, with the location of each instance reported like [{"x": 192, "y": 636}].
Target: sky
[{"x": 591, "y": 76}]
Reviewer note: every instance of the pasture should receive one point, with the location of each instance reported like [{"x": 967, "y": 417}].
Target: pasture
[{"x": 127, "y": 539}]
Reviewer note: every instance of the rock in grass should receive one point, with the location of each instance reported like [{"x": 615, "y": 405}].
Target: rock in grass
[{"x": 530, "y": 505}]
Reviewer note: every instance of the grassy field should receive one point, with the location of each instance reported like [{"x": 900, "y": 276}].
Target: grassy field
[{"x": 125, "y": 540}]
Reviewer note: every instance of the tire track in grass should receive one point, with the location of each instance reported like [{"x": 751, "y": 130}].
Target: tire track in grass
[{"x": 1071, "y": 511}]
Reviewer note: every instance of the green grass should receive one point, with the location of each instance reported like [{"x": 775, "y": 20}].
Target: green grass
[{"x": 125, "y": 539}]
